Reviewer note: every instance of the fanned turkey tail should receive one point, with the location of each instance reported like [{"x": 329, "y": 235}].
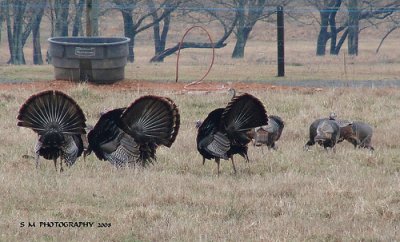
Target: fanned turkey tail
[
  {"x": 243, "y": 113},
  {"x": 152, "y": 120},
  {"x": 59, "y": 122},
  {"x": 51, "y": 112}
]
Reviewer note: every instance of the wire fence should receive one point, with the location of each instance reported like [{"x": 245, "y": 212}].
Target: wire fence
[{"x": 184, "y": 7}]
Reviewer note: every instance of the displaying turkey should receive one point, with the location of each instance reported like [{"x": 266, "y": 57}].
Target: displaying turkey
[
  {"x": 59, "y": 123},
  {"x": 268, "y": 134},
  {"x": 130, "y": 136},
  {"x": 225, "y": 130}
]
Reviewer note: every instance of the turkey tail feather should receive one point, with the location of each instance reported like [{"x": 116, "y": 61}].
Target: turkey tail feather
[
  {"x": 243, "y": 113},
  {"x": 52, "y": 111},
  {"x": 152, "y": 119},
  {"x": 176, "y": 121}
]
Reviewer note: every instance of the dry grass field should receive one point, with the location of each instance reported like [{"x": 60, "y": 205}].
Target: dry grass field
[
  {"x": 288, "y": 194},
  {"x": 283, "y": 195}
]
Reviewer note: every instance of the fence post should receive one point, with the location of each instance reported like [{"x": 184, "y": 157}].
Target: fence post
[{"x": 280, "y": 41}]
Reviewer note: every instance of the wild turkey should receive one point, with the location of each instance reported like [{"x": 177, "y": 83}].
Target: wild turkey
[
  {"x": 268, "y": 134},
  {"x": 359, "y": 134},
  {"x": 225, "y": 130},
  {"x": 130, "y": 136},
  {"x": 327, "y": 132},
  {"x": 59, "y": 123}
]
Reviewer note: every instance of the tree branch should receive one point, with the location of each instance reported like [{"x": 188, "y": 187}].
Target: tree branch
[
  {"x": 219, "y": 44},
  {"x": 386, "y": 35}
]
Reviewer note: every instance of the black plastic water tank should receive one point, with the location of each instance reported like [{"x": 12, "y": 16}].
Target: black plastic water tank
[{"x": 94, "y": 59}]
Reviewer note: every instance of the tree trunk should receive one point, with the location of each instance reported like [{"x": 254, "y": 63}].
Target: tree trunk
[
  {"x": 62, "y": 12},
  {"x": 15, "y": 33},
  {"x": 130, "y": 33},
  {"x": 333, "y": 28},
  {"x": 242, "y": 34},
  {"x": 341, "y": 41},
  {"x": 78, "y": 18},
  {"x": 95, "y": 17},
  {"x": 160, "y": 39},
  {"x": 9, "y": 30},
  {"x": 19, "y": 10},
  {"x": 52, "y": 17},
  {"x": 323, "y": 35},
  {"x": 353, "y": 27},
  {"x": 92, "y": 18},
  {"x": 37, "y": 19},
  {"x": 2, "y": 14},
  {"x": 247, "y": 13},
  {"x": 241, "y": 40},
  {"x": 333, "y": 36}
]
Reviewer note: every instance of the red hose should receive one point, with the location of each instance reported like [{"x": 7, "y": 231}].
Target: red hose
[{"x": 179, "y": 51}]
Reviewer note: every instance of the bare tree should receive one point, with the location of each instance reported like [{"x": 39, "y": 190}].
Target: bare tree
[
  {"x": 249, "y": 13},
  {"x": 328, "y": 10},
  {"x": 77, "y": 26},
  {"x": 159, "y": 34},
  {"x": 138, "y": 17},
  {"x": 202, "y": 13},
  {"x": 355, "y": 16},
  {"x": 62, "y": 12},
  {"x": 37, "y": 19},
  {"x": 14, "y": 17}
]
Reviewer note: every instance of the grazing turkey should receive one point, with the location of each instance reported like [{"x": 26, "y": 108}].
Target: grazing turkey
[
  {"x": 359, "y": 134},
  {"x": 130, "y": 136},
  {"x": 327, "y": 132},
  {"x": 268, "y": 134},
  {"x": 59, "y": 123},
  {"x": 225, "y": 131},
  {"x": 356, "y": 132}
]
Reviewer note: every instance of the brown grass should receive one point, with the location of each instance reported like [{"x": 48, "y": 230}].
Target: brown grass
[{"x": 287, "y": 194}]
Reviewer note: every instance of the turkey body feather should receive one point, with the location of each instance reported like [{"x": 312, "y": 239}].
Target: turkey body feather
[{"x": 131, "y": 135}]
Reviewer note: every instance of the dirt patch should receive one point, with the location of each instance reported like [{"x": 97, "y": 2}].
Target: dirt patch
[{"x": 154, "y": 86}]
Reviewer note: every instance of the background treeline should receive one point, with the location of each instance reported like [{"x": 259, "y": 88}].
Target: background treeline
[{"x": 338, "y": 22}]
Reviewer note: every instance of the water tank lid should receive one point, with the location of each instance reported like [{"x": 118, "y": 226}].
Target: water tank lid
[{"x": 89, "y": 41}]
